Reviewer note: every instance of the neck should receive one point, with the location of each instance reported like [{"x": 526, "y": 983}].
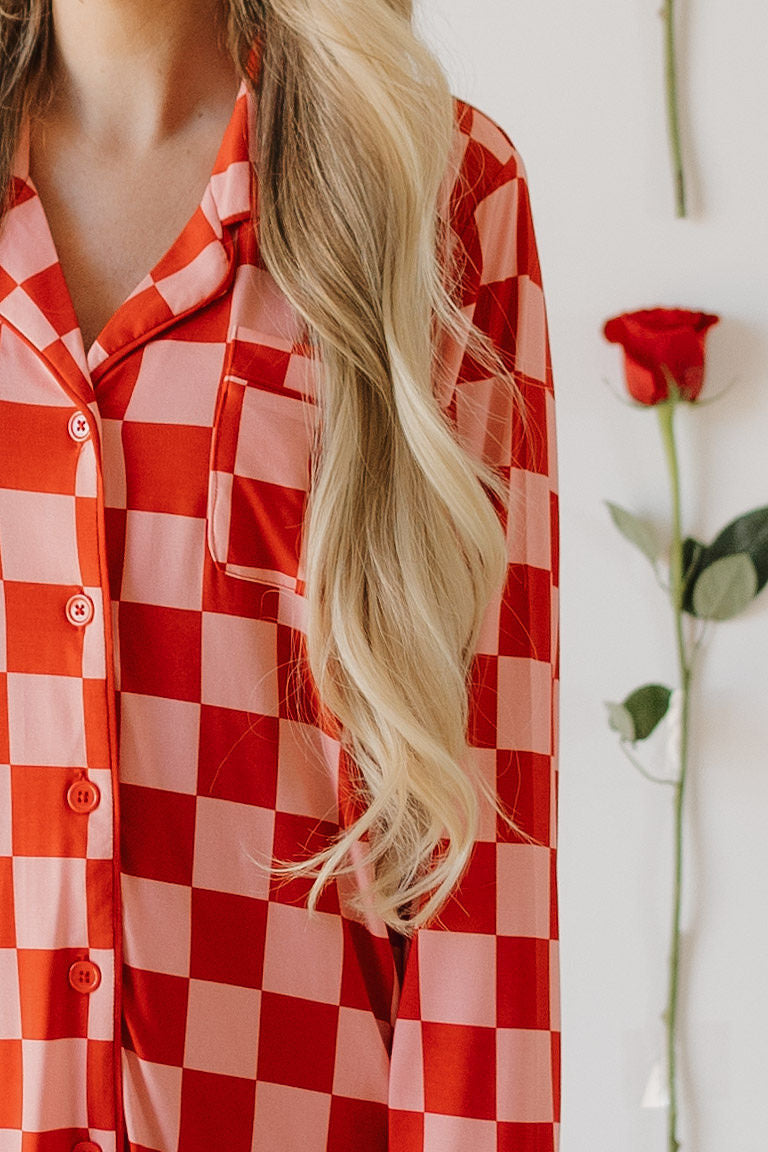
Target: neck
[{"x": 129, "y": 74}]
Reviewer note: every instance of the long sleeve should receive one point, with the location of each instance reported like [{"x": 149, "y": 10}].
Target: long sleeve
[{"x": 475, "y": 1060}]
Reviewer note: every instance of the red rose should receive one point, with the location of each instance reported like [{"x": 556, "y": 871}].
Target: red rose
[{"x": 654, "y": 338}]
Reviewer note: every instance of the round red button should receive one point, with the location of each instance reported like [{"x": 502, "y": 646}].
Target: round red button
[
  {"x": 82, "y": 796},
  {"x": 84, "y": 976},
  {"x": 86, "y": 1146}
]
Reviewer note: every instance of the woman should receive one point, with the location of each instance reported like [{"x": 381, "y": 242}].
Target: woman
[{"x": 278, "y": 537}]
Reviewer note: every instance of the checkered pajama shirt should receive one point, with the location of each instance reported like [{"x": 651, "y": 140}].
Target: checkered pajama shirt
[{"x": 158, "y": 991}]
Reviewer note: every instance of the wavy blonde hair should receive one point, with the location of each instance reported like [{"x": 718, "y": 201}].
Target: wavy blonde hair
[{"x": 353, "y": 152}]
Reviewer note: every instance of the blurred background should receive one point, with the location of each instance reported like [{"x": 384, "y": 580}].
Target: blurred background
[{"x": 579, "y": 89}]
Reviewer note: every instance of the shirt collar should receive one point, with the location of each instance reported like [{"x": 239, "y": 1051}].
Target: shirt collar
[{"x": 230, "y": 187}]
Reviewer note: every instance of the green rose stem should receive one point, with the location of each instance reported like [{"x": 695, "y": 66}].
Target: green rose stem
[
  {"x": 672, "y": 115},
  {"x": 665, "y": 411}
]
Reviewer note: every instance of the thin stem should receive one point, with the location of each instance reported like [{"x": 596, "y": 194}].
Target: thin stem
[
  {"x": 672, "y": 104},
  {"x": 665, "y": 412}
]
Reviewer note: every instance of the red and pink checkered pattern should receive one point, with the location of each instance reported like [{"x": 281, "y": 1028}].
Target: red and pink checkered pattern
[{"x": 158, "y": 991}]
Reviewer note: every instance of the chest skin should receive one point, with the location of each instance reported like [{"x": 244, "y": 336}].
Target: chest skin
[{"x": 113, "y": 216}]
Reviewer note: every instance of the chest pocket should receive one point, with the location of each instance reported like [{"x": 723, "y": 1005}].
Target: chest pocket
[{"x": 265, "y": 423}]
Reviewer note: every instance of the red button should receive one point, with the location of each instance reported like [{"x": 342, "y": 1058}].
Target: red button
[
  {"x": 82, "y": 796},
  {"x": 86, "y": 1146},
  {"x": 84, "y": 976}
]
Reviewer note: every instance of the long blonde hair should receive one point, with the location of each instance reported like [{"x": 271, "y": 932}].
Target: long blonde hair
[{"x": 354, "y": 157}]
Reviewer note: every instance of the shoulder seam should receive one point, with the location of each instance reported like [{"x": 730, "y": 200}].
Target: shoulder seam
[{"x": 508, "y": 160}]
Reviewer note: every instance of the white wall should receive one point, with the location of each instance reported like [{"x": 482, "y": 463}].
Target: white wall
[{"x": 579, "y": 89}]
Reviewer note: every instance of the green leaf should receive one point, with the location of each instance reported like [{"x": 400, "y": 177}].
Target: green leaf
[
  {"x": 725, "y": 587},
  {"x": 637, "y": 716},
  {"x": 647, "y": 706},
  {"x": 638, "y": 532},
  {"x": 620, "y": 720},
  {"x": 747, "y": 533}
]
